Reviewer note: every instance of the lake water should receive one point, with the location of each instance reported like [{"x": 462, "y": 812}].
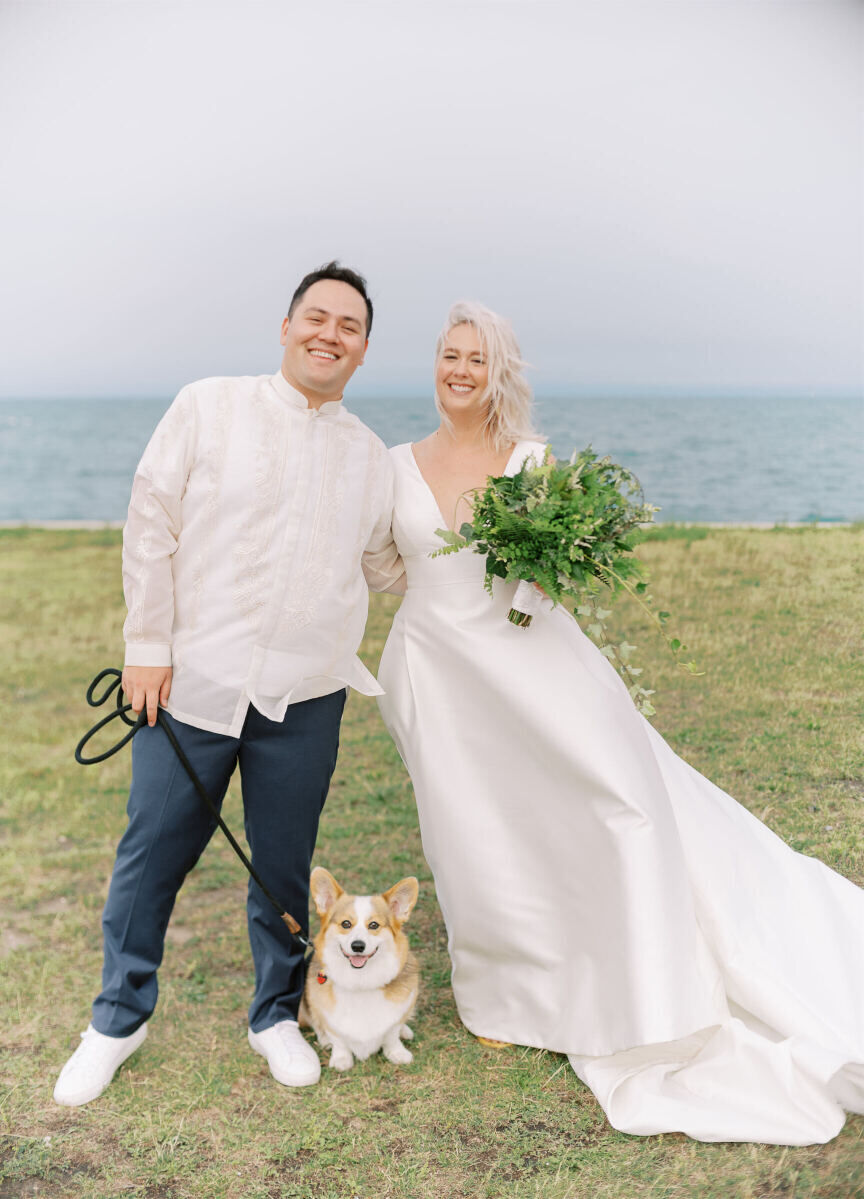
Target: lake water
[{"x": 775, "y": 459}]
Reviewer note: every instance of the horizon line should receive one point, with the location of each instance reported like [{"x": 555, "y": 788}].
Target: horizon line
[{"x": 556, "y": 392}]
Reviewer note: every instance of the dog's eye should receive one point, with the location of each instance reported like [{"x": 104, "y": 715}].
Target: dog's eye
[
  {"x": 346, "y": 923},
  {"x": 373, "y": 924}
]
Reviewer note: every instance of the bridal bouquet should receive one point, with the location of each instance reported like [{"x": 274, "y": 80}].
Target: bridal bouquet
[{"x": 570, "y": 528}]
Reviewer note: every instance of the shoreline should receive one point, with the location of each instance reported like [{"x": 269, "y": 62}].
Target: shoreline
[{"x": 660, "y": 524}]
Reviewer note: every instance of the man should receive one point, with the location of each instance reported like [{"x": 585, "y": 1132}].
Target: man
[{"x": 257, "y": 509}]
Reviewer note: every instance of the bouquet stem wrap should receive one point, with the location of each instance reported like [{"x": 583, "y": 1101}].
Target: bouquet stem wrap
[{"x": 526, "y": 604}]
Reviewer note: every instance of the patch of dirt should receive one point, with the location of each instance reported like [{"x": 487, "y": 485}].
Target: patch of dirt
[
  {"x": 541, "y": 1130},
  {"x": 16, "y": 922},
  {"x": 527, "y": 1126},
  {"x": 178, "y": 934},
  {"x": 53, "y": 907},
  {"x": 527, "y": 1166},
  {"x": 854, "y": 786},
  {"x": 17, "y": 1188},
  {"x": 59, "y": 1185},
  {"x": 294, "y": 1163},
  {"x": 12, "y": 939},
  {"x": 485, "y": 1161}
]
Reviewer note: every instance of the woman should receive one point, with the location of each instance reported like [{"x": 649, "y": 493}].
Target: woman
[{"x": 601, "y": 897}]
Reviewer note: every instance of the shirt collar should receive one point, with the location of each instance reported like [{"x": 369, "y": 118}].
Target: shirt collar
[{"x": 297, "y": 400}]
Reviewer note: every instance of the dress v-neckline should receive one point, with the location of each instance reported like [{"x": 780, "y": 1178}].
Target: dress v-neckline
[{"x": 422, "y": 477}]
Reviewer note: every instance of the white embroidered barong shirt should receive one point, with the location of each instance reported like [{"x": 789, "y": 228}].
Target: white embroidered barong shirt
[{"x": 253, "y": 521}]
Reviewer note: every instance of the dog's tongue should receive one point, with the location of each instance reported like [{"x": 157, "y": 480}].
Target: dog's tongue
[{"x": 358, "y": 960}]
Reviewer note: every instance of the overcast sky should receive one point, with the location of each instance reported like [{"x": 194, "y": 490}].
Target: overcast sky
[{"x": 663, "y": 195}]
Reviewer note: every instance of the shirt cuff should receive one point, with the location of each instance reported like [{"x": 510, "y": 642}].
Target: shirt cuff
[{"x": 142, "y": 653}]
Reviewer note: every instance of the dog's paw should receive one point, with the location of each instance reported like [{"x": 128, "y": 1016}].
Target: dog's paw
[
  {"x": 406, "y": 1033},
  {"x": 398, "y": 1054},
  {"x": 341, "y": 1058}
]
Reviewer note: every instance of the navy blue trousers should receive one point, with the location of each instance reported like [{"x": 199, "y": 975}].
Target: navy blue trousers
[{"x": 285, "y": 770}]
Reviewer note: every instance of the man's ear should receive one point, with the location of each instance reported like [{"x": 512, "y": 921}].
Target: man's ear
[{"x": 283, "y": 336}]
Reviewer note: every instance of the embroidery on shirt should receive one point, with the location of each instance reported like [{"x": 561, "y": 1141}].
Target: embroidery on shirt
[
  {"x": 268, "y": 437},
  {"x": 367, "y": 501},
  {"x": 308, "y": 586},
  {"x": 218, "y": 425}
]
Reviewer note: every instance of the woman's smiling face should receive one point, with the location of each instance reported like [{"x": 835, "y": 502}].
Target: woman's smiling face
[{"x": 462, "y": 373}]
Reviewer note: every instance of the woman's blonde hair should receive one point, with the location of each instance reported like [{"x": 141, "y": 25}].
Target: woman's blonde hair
[{"x": 508, "y": 392}]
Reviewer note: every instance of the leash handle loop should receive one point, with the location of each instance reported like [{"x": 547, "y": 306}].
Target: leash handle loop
[
  {"x": 112, "y": 673},
  {"x": 120, "y": 710}
]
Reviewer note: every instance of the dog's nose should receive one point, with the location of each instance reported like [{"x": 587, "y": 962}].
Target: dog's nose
[{"x": 358, "y": 946}]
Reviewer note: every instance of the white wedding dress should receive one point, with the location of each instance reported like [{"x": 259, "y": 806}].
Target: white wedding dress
[{"x": 601, "y": 897}]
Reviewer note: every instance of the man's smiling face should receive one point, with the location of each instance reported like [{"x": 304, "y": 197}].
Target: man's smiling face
[{"x": 325, "y": 340}]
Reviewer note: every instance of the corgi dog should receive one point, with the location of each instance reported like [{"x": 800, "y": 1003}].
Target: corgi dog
[{"x": 363, "y": 980}]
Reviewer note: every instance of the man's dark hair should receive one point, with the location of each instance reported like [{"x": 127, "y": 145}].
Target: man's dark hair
[{"x": 342, "y": 274}]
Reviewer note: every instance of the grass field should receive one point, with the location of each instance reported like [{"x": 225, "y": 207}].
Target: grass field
[{"x": 775, "y": 620}]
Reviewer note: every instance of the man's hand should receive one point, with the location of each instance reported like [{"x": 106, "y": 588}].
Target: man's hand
[{"x": 147, "y": 686}]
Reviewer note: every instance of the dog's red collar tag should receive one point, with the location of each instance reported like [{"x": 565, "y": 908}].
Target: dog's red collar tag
[{"x": 322, "y": 978}]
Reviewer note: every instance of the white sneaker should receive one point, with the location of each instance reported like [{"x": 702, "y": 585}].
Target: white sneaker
[
  {"x": 291, "y": 1058},
  {"x": 93, "y": 1064}
]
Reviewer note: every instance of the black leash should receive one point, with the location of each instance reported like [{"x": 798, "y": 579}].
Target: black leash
[{"x": 135, "y": 726}]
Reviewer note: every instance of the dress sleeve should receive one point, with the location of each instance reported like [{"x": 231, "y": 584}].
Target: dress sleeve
[{"x": 151, "y": 533}]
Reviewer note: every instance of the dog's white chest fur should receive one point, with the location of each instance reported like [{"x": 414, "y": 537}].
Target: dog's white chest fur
[{"x": 362, "y": 1019}]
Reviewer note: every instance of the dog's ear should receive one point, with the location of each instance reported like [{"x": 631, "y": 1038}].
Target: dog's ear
[
  {"x": 325, "y": 890},
  {"x": 401, "y": 898}
]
